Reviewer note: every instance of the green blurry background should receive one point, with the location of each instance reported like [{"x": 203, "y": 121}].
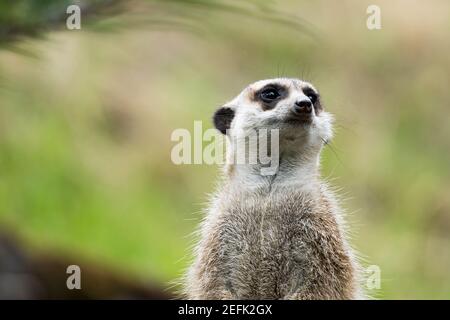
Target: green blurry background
[{"x": 86, "y": 118}]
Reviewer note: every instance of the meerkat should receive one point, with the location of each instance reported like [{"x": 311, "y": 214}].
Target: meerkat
[{"x": 278, "y": 236}]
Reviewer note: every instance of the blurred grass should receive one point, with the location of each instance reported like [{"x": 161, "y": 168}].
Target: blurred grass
[{"x": 85, "y": 130}]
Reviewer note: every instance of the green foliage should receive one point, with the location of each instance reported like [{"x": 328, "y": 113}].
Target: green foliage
[{"x": 19, "y": 18}]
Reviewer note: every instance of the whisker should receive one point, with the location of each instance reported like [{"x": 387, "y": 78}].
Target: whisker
[{"x": 328, "y": 144}]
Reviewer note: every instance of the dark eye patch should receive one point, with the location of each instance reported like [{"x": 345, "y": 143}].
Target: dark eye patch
[
  {"x": 314, "y": 97},
  {"x": 270, "y": 95},
  {"x": 311, "y": 94}
]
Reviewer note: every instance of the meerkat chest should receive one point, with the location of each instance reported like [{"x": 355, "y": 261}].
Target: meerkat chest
[
  {"x": 270, "y": 218},
  {"x": 263, "y": 243}
]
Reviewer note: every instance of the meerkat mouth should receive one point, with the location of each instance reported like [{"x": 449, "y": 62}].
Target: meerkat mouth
[
  {"x": 299, "y": 120},
  {"x": 297, "y": 127}
]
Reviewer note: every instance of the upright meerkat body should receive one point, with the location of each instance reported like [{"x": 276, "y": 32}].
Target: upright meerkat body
[{"x": 278, "y": 235}]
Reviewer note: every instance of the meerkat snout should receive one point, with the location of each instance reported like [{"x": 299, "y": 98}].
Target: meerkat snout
[{"x": 302, "y": 107}]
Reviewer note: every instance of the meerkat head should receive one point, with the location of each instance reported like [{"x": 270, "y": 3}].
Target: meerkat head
[{"x": 291, "y": 106}]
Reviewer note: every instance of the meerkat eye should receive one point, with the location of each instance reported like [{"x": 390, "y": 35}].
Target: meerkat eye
[
  {"x": 269, "y": 94},
  {"x": 311, "y": 95}
]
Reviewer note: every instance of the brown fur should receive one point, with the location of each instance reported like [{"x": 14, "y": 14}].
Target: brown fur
[{"x": 300, "y": 255}]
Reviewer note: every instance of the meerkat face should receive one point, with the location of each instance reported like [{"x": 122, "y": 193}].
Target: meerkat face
[{"x": 292, "y": 106}]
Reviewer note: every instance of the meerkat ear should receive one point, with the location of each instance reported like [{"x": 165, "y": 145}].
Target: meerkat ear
[{"x": 222, "y": 118}]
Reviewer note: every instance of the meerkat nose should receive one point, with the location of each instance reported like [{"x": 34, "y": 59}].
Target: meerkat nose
[{"x": 303, "y": 107}]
